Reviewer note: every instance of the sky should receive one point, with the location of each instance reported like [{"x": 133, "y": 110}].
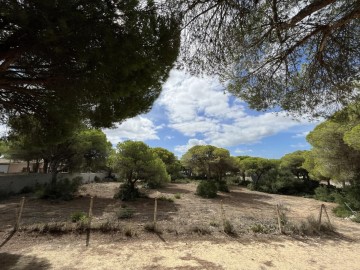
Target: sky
[{"x": 195, "y": 110}]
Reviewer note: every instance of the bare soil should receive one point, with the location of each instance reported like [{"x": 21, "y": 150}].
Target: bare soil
[{"x": 191, "y": 233}]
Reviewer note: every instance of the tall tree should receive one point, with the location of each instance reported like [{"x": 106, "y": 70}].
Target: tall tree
[
  {"x": 136, "y": 161},
  {"x": 294, "y": 162},
  {"x": 334, "y": 155},
  {"x": 103, "y": 60},
  {"x": 300, "y": 55},
  {"x": 257, "y": 167},
  {"x": 173, "y": 165}
]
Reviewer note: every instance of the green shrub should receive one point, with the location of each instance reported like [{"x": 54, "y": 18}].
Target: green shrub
[
  {"x": 311, "y": 227},
  {"x": 127, "y": 192},
  {"x": 125, "y": 213},
  {"x": 4, "y": 195},
  {"x": 64, "y": 189},
  {"x": 166, "y": 199},
  {"x": 222, "y": 186},
  {"x": 207, "y": 189},
  {"x": 177, "y": 196},
  {"x": 229, "y": 228},
  {"x": 78, "y": 216},
  {"x": 27, "y": 189},
  {"x": 258, "y": 228},
  {"x": 356, "y": 218},
  {"x": 97, "y": 179},
  {"x": 325, "y": 194}
]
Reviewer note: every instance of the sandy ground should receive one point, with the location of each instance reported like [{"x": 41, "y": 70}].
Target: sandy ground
[
  {"x": 280, "y": 253},
  {"x": 178, "y": 247}
]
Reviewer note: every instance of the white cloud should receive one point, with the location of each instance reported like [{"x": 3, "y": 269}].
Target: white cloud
[
  {"x": 301, "y": 134},
  {"x": 243, "y": 151},
  {"x": 181, "y": 149},
  {"x": 138, "y": 129},
  {"x": 199, "y": 106},
  {"x": 300, "y": 145}
]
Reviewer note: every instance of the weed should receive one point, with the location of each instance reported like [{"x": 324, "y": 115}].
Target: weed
[
  {"x": 177, "y": 196},
  {"x": 164, "y": 198},
  {"x": 311, "y": 227},
  {"x": 129, "y": 231},
  {"x": 214, "y": 224},
  {"x": 78, "y": 216},
  {"x": 356, "y": 218},
  {"x": 207, "y": 189},
  {"x": 229, "y": 228},
  {"x": 125, "y": 213},
  {"x": 259, "y": 228},
  {"x": 150, "y": 227},
  {"x": 108, "y": 226},
  {"x": 202, "y": 230}
]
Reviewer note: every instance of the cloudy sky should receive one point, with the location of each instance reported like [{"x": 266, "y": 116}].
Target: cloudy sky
[{"x": 193, "y": 110}]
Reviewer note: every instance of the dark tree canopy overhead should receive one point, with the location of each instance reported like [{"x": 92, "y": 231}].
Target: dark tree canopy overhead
[
  {"x": 301, "y": 55},
  {"x": 103, "y": 60}
]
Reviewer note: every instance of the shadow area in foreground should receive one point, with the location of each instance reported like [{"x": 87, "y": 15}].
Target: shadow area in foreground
[{"x": 16, "y": 261}]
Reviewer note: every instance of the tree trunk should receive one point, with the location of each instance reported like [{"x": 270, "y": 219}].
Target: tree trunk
[
  {"x": 46, "y": 166},
  {"x": 54, "y": 173},
  {"x": 27, "y": 166},
  {"x": 328, "y": 182}
]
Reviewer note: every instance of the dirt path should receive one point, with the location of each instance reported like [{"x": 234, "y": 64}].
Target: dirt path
[
  {"x": 282, "y": 253},
  {"x": 179, "y": 246}
]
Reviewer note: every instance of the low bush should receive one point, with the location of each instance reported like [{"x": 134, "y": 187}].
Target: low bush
[
  {"x": 177, "y": 196},
  {"x": 326, "y": 194},
  {"x": 199, "y": 229},
  {"x": 207, "y": 189},
  {"x": 64, "y": 189},
  {"x": 4, "y": 195},
  {"x": 166, "y": 199},
  {"x": 229, "y": 228},
  {"x": 127, "y": 192},
  {"x": 150, "y": 227},
  {"x": 125, "y": 213},
  {"x": 222, "y": 186},
  {"x": 78, "y": 217},
  {"x": 97, "y": 179},
  {"x": 311, "y": 227}
]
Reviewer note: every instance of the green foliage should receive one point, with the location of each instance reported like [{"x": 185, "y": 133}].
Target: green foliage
[
  {"x": 177, "y": 196},
  {"x": 127, "y": 192},
  {"x": 85, "y": 57},
  {"x": 166, "y": 199},
  {"x": 136, "y": 160},
  {"x": 325, "y": 194},
  {"x": 97, "y": 179},
  {"x": 294, "y": 163},
  {"x": 311, "y": 227},
  {"x": 275, "y": 59},
  {"x": 229, "y": 228},
  {"x": 173, "y": 165},
  {"x": 208, "y": 160},
  {"x": 64, "y": 189},
  {"x": 125, "y": 213},
  {"x": 222, "y": 186},
  {"x": 259, "y": 228},
  {"x": 79, "y": 217},
  {"x": 207, "y": 189}
]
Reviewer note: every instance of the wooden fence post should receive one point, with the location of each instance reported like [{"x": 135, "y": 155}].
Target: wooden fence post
[
  {"x": 89, "y": 221},
  {"x": 328, "y": 218},
  {"x": 18, "y": 218},
  {"x": 279, "y": 218},
  {"x": 155, "y": 213},
  {"x": 320, "y": 214}
]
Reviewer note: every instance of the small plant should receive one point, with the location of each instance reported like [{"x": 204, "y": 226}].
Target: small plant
[
  {"x": 258, "y": 228},
  {"x": 222, "y": 186},
  {"x": 164, "y": 198},
  {"x": 229, "y": 228},
  {"x": 125, "y": 213},
  {"x": 177, "y": 196},
  {"x": 356, "y": 218},
  {"x": 150, "y": 227},
  {"x": 129, "y": 231},
  {"x": 311, "y": 227},
  {"x": 108, "y": 226},
  {"x": 78, "y": 216},
  {"x": 127, "y": 192},
  {"x": 202, "y": 230},
  {"x": 206, "y": 189},
  {"x": 214, "y": 224},
  {"x": 97, "y": 179}
]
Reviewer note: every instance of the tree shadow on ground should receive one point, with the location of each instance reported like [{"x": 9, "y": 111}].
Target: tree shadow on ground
[
  {"x": 173, "y": 189},
  {"x": 238, "y": 198},
  {"x": 15, "y": 261}
]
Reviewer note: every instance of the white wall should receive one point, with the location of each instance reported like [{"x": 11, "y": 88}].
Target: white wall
[{"x": 16, "y": 182}]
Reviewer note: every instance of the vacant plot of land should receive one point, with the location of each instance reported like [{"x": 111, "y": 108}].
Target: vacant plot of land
[{"x": 191, "y": 236}]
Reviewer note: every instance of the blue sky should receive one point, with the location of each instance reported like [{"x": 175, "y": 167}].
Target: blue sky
[{"x": 196, "y": 110}]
